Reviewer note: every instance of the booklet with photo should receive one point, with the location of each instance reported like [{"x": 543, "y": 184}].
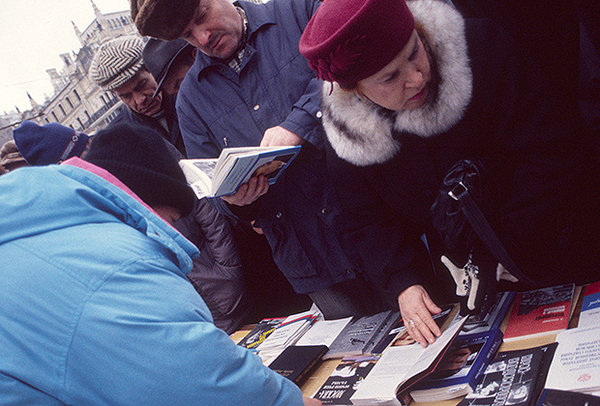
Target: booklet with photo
[
  {"x": 489, "y": 317},
  {"x": 260, "y": 332},
  {"x": 400, "y": 367},
  {"x": 345, "y": 379},
  {"x": 460, "y": 369},
  {"x": 513, "y": 378},
  {"x": 234, "y": 167}
]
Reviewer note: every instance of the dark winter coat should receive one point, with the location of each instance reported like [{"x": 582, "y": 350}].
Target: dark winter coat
[
  {"x": 389, "y": 165},
  {"x": 217, "y": 275}
]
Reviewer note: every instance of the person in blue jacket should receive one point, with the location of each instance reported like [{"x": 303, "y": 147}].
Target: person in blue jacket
[
  {"x": 250, "y": 86},
  {"x": 96, "y": 308}
]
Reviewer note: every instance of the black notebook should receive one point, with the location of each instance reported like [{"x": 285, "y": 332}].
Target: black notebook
[{"x": 296, "y": 361}]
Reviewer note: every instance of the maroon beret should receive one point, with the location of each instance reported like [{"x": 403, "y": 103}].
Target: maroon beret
[{"x": 348, "y": 40}]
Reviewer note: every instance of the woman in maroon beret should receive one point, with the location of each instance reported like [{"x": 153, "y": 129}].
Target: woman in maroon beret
[{"x": 409, "y": 89}]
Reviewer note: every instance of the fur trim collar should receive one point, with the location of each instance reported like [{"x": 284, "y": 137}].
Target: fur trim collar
[{"x": 362, "y": 133}]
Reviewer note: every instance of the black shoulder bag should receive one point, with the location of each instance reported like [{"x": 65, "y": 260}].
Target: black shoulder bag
[{"x": 458, "y": 217}]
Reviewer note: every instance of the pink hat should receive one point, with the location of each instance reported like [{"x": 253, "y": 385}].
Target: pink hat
[{"x": 349, "y": 40}]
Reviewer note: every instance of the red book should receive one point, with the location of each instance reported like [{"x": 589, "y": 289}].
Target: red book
[{"x": 539, "y": 312}]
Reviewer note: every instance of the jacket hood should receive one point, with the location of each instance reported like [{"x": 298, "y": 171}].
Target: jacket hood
[
  {"x": 362, "y": 132},
  {"x": 27, "y": 196}
]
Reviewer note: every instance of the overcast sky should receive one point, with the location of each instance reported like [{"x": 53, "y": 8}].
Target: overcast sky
[{"x": 33, "y": 33}]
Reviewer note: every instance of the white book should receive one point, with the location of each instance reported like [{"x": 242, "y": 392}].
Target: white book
[
  {"x": 234, "y": 167},
  {"x": 576, "y": 362}
]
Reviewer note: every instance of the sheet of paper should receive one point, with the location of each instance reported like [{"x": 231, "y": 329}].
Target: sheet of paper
[{"x": 323, "y": 332}]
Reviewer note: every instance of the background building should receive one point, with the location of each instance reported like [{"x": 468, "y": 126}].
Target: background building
[{"x": 76, "y": 101}]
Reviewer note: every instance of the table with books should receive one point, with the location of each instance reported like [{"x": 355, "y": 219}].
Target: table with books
[{"x": 542, "y": 344}]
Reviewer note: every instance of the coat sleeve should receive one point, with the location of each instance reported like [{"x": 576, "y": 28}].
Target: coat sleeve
[
  {"x": 304, "y": 119},
  {"x": 146, "y": 337},
  {"x": 388, "y": 251}
]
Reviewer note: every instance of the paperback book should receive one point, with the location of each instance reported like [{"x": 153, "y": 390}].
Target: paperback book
[
  {"x": 539, "y": 312},
  {"x": 576, "y": 365},
  {"x": 513, "y": 378},
  {"x": 400, "y": 367},
  {"x": 490, "y": 317},
  {"x": 234, "y": 167},
  {"x": 590, "y": 306},
  {"x": 553, "y": 397},
  {"x": 358, "y": 335},
  {"x": 460, "y": 369},
  {"x": 345, "y": 379},
  {"x": 260, "y": 332}
]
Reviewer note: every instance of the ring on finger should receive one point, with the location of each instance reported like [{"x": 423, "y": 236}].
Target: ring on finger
[{"x": 411, "y": 323}]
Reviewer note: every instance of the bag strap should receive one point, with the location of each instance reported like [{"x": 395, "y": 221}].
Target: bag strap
[{"x": 484, "y": 230}]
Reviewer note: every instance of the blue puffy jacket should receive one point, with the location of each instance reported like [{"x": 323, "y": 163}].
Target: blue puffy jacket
[{"x": 96, "y": 308}]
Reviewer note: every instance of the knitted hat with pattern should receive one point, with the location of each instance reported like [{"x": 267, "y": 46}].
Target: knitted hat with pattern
[
  {"x": 138, "y": 157},
  {"x": 117, "y": 61}
]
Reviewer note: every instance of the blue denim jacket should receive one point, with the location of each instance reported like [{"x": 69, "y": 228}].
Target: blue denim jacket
[{"x": 219, "y": 108}]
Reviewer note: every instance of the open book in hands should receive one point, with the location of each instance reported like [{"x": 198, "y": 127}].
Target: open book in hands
[{"x": 234, "y": 167}]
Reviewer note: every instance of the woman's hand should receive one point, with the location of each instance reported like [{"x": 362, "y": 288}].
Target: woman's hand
[
  {"x": 249, "y": 192},
  {"x": 416, "y": 308}
]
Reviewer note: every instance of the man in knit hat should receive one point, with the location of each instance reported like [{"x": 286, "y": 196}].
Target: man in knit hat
[
  {"x": 50, "y": 143},
  {"x": 99, "y": 310},
  {"x": 250, "y": 86},
  {"x": 118, "y": 66}
]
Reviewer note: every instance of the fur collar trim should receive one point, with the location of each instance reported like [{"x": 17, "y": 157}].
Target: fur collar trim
[{"x": 362, "y": 133}]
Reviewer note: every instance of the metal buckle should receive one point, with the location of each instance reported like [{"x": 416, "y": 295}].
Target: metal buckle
[{"x": 458, "y": 191}]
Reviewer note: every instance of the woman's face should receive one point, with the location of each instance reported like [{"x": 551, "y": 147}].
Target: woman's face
[{"x": 404, "y": 83}]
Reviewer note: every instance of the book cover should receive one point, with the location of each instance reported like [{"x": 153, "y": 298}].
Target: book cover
[
  {"x": 460, "y": 369},
  {"x": 553, "y": 397},
  {"x": 296, "y": 361},
  {"x": 358, "y": 335},
  {"x": 590, "y": 306},
  {"x": 260, "y": 332},
  {"x": 345, "y": 379},
  {"x": 234, "y": 167},
  {"x": 512, "y": 378},
  {"x": 576, "y": 364},
  {"x": 400, "y": 367},
  {"x": 538, "y": 312},
  {"x": 490, "y": 317}
]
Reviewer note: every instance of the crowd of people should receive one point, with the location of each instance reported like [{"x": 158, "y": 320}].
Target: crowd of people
[{"x": 121, "y": 285}]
